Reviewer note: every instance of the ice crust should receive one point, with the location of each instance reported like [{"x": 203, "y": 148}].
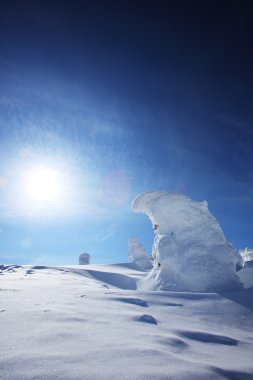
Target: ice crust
[
  {"x": 190, "y": 250},
  {"x": 137, "y": 254}
]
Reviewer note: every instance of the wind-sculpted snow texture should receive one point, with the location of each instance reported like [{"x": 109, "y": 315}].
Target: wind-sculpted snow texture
[
  {"x": 137, "y": 254},
  {"x": 190, "y": 251},
  {"x": 94, "y": 323}
]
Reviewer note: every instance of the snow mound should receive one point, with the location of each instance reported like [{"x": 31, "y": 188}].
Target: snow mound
[
  {"x": 84, "y": 259},
  {"x": 137, "y": 254},
  {"x": 190, "y": 250}
]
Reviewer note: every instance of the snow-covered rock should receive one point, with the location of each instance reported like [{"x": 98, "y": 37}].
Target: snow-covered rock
[
  {"x": 137, "y": 254},
  {"x": 84, "y": 259},
  {"x": 190, "y": 251}
]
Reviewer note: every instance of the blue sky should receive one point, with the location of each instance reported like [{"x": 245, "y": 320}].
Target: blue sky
[{"x": 122, "y": 97}]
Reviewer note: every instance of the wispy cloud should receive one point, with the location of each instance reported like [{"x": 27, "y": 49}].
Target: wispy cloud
[{"x": 103, "y": 234}]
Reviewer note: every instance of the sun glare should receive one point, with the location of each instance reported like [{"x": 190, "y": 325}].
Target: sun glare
[
  {"x": 42, "y": 185},
  {"x": 48, "y": 189}
]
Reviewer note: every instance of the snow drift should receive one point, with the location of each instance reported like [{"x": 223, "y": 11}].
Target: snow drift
[
  {"x": 190, "y": 250},
  {"x": 93, "y": 323}
]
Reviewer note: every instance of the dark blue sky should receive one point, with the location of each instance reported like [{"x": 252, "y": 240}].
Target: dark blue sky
[{"x": 123, "y": 97}]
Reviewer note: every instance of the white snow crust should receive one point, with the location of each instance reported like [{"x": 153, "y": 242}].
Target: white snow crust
[
  {"x": 137, "y": 254},
  {"x": 190, "y": 251},
  {"x": 93, "y": 322}
]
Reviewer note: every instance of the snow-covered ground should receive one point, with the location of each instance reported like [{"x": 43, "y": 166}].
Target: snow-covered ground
[{"x": 95, "y": 322}]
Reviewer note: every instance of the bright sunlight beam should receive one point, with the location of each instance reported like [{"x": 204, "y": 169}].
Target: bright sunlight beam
[
  {"x": 48, "y": 188},
  {"x": 43, "y": 185},
  {"x": 43, "y": 190}
]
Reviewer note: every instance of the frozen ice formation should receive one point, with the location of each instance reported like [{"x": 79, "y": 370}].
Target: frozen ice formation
[
  {"x": 190, "y": 251},
  {"x": 246, "y": 254},
  {"x": 137, "y": 254},
  {"x": 84, "y": 259}
]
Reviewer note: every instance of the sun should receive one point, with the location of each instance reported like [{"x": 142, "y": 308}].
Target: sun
[
  {"x": 45, "y": 190},
  {"x": 42, "y": 185}
]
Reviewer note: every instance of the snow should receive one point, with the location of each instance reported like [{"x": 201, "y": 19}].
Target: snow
[
  {"x": 137, "y": 254},
  {"x": 246, "y": 274},
  {"x": 190, "y": 250},
  {"x": 247, "y": 254},
  {"x": 96, "y": 322},
  {"x": 84, "y": 259}
]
